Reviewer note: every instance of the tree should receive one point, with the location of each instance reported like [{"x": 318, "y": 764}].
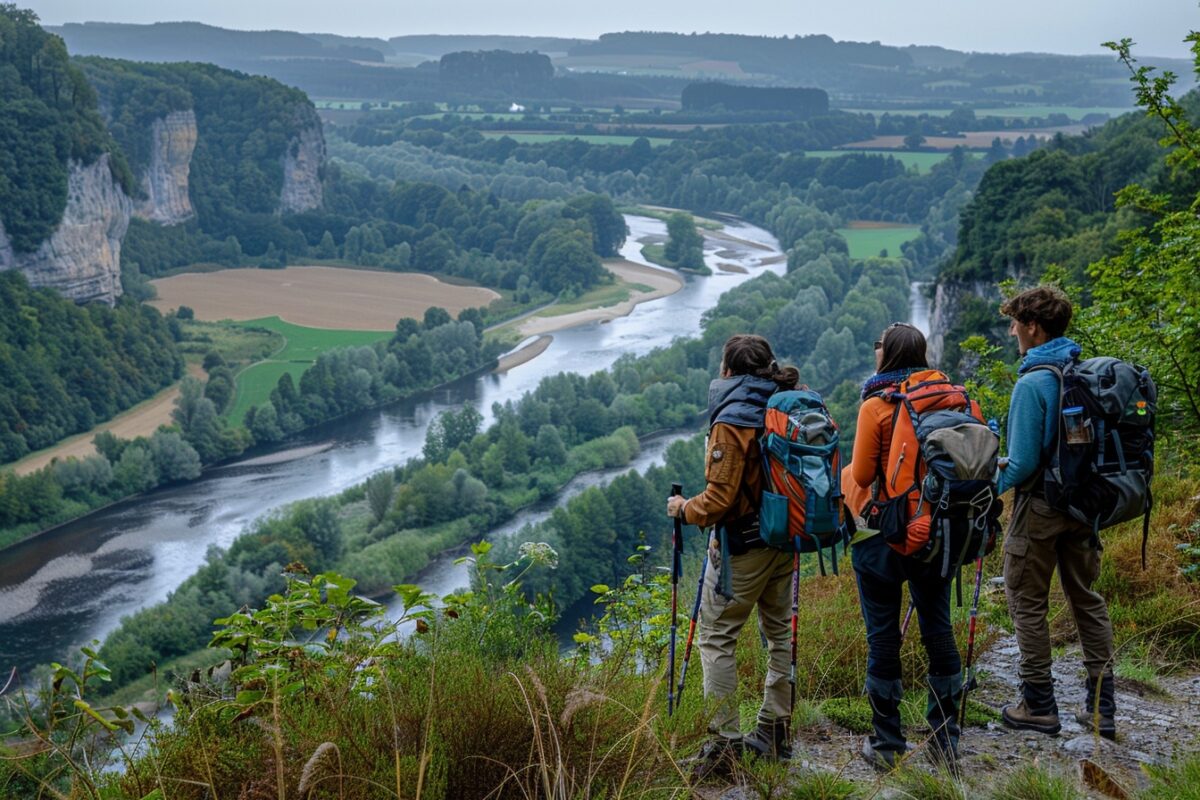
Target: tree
[
  {"x": 435, "y": 317},
  {"x": 174, "y": 458},
  {"x": 1146, "y": 300},
  {"x": 136, "y": 471},
  {"x": 380, "y": 488},
  {"x": 548, "y": 448},
  {"x": 327, "y": 248},
  {"x": 685, "y": 246},
  {"x": 913, "y": 141}
]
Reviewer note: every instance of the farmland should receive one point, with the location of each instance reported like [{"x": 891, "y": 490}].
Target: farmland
[
  {"x": 316, "y": 297},
  {"x": 542, "y": 138},
  {"x": 301, "y": 346},
  {"x": 869, "y": 239}
]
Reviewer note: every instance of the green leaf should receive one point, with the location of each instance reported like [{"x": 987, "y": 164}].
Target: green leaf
[
  {"x": 86, "y": 708},
  {"x": 601, "y": 588}
]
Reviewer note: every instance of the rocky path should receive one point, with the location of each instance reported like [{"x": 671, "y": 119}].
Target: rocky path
[{"x": 1152, "y": 728}]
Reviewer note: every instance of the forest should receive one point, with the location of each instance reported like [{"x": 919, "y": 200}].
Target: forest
[
  {"x": 63, "y": 367},
  {"x": 48, "y": 118}
]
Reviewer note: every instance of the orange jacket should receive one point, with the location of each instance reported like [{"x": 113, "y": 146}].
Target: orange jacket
[
  {"x": 733, "y": 473},
  {"x": 872, "y": 438}
]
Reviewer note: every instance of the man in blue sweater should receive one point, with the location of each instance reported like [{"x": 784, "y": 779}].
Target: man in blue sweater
[{"x": 1040, "y": 537}]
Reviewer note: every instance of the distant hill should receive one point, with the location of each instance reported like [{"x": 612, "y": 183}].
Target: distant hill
[
  {"x": 435, "y": 46},
  {"x": 637, "y": 65},
  {"x": 195, "y": 41}
]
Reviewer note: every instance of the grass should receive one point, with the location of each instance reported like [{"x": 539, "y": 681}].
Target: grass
[
  {"x": 236, "y": 343},
  {"x": 854, "y": 713},
  {"x": 1034, "y": 782},
  {"x": 597, "y": 138},
  {"x": 254, "y": 384},
  {"x": 869, "y": 242},
  {"x": 922, "y": 161},
  {"x": 298, "y": 348}
]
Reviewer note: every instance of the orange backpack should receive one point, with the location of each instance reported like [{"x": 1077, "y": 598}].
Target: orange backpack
[{"x": 908, "y": 500}]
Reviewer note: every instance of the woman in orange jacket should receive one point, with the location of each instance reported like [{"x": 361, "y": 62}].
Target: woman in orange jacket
[{"x": 882, "y": 572}]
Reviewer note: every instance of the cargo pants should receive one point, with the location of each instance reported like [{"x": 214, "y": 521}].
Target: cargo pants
[
  {"x": 1039, "y": 539},
  {"x": 761, "y": 577}
]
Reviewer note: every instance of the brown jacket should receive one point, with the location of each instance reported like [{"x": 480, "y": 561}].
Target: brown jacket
[{"x": 733, "y": 471}]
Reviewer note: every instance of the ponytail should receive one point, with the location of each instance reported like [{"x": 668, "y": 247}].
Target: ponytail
[{"x": 747, "y": 354}]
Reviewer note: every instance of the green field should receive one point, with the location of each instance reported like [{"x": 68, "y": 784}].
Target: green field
[
  {"x": 594, "y": 138},
  {"x": 300, "y": 349},
  {"x": 868, "y": 242},
  {"x": 254, "y": 384},
  {"x": 922, "y": 161}
]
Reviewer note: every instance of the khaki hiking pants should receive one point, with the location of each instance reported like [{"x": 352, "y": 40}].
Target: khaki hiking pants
[
  {"x": 1039, "y": 539},
  {"x": 761, "y": 577}
]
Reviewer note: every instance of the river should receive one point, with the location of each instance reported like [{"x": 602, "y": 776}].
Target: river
[{"x": 75, "y": 583}]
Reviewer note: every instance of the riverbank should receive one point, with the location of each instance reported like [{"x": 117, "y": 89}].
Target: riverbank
[
  {"x": 645, "y": 284},
  {"x": 523, "y": 355},
  {"x": 141, "y": 420}
]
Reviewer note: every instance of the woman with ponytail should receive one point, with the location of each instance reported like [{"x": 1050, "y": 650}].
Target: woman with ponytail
[
  {"x": 760, "y": 576},
  {"x": 882, "y": 572}
]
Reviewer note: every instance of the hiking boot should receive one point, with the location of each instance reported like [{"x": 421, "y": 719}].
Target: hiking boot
[
  {"x": 716, "y": 759},
  {"x": 771, "y": 740},
  {"x": 1097, "y": 712},
  {"x": 1037, "y": 710}
]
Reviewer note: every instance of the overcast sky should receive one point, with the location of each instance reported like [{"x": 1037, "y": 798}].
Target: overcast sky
[{"x": 1060, "y": 26}]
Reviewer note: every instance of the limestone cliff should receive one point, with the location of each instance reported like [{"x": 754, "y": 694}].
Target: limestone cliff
[
  {"x": 948, "y": 302},
  {"x": 165, "y": 184},
  {"x": 302, "y": 167},
  {"x": 82, "y": 259}
]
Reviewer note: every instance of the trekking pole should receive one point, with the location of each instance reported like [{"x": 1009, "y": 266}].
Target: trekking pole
[
  {"x": 676, "y": 572},
  {"x": 968, "y": 684},
  {"x": 687, "y": 647},
  {"x": 795, "y": 618}
]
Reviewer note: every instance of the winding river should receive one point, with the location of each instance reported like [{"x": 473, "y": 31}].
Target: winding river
[{"x": 75, "y": 583}]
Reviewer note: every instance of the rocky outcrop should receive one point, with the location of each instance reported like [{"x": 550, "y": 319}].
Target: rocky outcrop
[
  {"x": 947, "y": 302},
  {"x": 165, "y": 184},
  {"x": 82, "y": 259},
  {"x": 302, "y": 167}
]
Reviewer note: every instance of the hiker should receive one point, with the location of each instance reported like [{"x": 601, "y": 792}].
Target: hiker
[
  {"x": 881, "y": 571},
  {"x": 1040, "y": 537},
  {"x": 758, "y": 575}
]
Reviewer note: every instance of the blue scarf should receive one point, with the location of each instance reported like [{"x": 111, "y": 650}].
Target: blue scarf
[{"x": 883, "y": 380}]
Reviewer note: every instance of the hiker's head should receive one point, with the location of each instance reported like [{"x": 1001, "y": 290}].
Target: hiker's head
[
  {"x": 748, "y": 354},
  {"x": 1038, "y": 315},
  {"x": 901, "y": 346}
]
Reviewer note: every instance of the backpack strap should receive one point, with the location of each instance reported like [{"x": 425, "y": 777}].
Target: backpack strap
[{"x": 1048, "y": 453}]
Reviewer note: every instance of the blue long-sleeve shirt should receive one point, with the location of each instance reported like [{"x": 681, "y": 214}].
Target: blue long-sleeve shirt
[{"x": 1033, "y": 411}]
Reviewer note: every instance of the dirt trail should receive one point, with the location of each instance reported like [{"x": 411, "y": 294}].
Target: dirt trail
[
  {"x": 1152, "y": 728},
  {"x": 141, "y": 420}
]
